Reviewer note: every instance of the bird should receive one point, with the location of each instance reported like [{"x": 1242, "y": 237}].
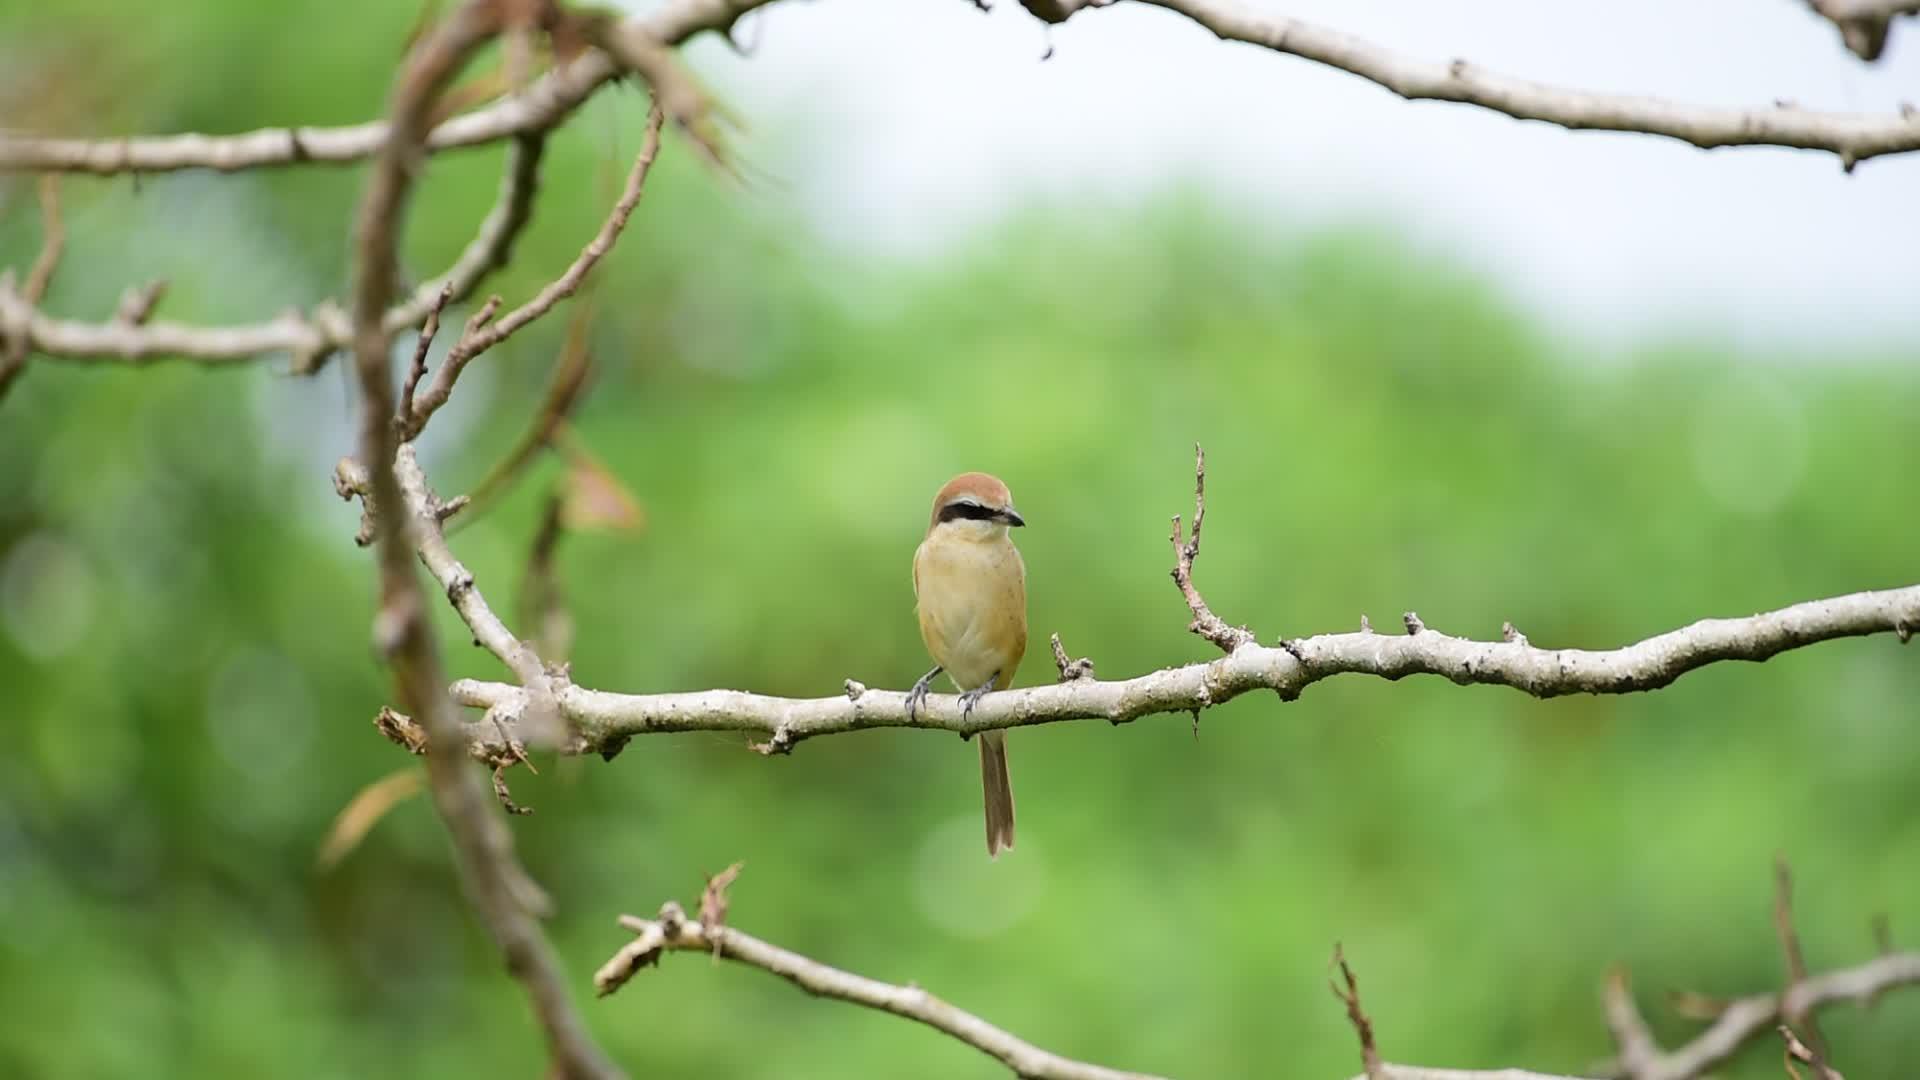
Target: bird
[{"x": 970, "y": 593}]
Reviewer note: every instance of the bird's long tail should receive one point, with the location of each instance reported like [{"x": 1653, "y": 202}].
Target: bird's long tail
[{"x": 997, "y": 787}]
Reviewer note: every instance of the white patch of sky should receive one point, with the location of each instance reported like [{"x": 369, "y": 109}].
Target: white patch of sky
[{"x": 902, "y": 127}]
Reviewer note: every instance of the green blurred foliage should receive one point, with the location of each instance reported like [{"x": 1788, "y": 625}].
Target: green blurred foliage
[{"x": 188, "y": 681}]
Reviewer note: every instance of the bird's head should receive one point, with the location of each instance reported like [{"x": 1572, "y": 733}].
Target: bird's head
[{"x": 976, "y": 506}]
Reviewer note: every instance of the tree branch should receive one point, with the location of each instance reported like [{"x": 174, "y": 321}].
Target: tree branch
[
  {"x": 478, "y": 338},
  {"x": 15, "y": 344},
  {"x": 308, "y": 339},
  {"x": 673, "y": 931},
  {"x": 1205, "y": 622},
  {"x": 1741, "y": 1020},
  {"x": 1854, "y": 137},
  {"x": 543, "y": 106},
  {"x": 600, "y": 719},
  {"x": 499, "y": 889}
]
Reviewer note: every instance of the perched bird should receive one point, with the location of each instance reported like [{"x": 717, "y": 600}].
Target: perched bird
[{"x": 970, "y": 588}]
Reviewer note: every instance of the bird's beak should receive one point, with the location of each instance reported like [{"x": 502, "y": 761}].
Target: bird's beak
[{"x": 1011, "y": 517}]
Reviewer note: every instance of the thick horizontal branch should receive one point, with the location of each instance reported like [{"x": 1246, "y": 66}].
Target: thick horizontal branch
[
  {"x": 541, "y": 107},
  {"x": 1854, "y": 137},
  {"x": 603, "y": 720},
  {"x": 674, "y": 932}
]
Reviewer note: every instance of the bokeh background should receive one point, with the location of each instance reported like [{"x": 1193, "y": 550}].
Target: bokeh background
[{"x": 1491, "y": 381}]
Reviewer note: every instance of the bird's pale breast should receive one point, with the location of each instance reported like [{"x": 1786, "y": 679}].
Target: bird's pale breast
[{"x": 972, "y": 600}]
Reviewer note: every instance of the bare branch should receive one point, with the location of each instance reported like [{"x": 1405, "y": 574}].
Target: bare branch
[
  {"x": 1349, "y": 995},
  {"x": 1205, "y": 622},
  {"x": 418, "y": 369},
  {"x": 1853, "y": 137},
  {"x": 1747, "y": 1018},
  {"x": 1864, "y": 24},
  {"x": 672, "y": 931},
  {"x": 504, "y": 897},
  {"x": 1790, "y": 947},
  {"x": 544, "y": 105},
  {"x": 1070, "y": 670},
  {"x": 563, "y": 393},
  {"x": 1799, "y": 1051},
  {"x": 137, "y": 303},
  {"x": 1639, "y": 1053},
  {"x": 477, "y": 338},
  {"x": 15, "y": 344},
  {"x": 492, "y": 244},
  {"x": 599, "y": 718},
  {"x": 309, "y": 339}
]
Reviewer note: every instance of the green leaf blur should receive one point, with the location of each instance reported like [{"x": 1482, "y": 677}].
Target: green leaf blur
[{"x": 188, "y": 681}]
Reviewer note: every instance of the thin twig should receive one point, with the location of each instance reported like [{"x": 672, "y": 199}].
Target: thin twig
[
  {"x": 1790, "y": 947},
  {"x": 1205, "y": 622},
  {"x": 479, "y": 338},
  {"x": 137, "y": 303},
  {"x": 563, "y": 393},
  {"x": 16, "y": 344},
  {"x": 1639, "y": 1053},
  {"x": 418, "y": 369},
  {"x": 1070, "y": 670},
  {"x": 1349, "y": 995},
  {"x": 1797, "y": 1050}
]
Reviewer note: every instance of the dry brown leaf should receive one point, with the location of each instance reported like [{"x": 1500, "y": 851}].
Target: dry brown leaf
[{"x": 364, "y": 811}]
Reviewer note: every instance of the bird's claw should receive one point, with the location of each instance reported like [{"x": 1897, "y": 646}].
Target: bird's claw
[
  {"x": 972, "y": 697},
  {"x": 917, "y": 696}
]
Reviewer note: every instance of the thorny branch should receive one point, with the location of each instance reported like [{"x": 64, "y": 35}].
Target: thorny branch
[
  {"x": 503, "y": 895},
  {"x": 673, "y": 931},
  {"x": 600, "y": 719},
  {"x": 1205, "y": 622}
]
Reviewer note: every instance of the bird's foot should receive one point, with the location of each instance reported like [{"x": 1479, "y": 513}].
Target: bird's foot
[
  {"x": 972, "y": 697},
  {"x": 917, "y": 696}
]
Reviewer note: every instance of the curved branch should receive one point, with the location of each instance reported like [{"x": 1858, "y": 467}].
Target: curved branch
[
  {"x": 478, "y": 338},
  {"x": 504, "y": 897},
  {"x": 1854, "y": 137},
  {"x": 1740, "y": 1021},
  {"x": 672, "y": 931},
  {"x": 491, "y": 247},
  {"x": 541, "y": 107},
  {"x": 603, "y": 719}
]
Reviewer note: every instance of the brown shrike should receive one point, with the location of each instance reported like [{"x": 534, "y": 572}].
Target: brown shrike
[{"x": 971, "y": 591}]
